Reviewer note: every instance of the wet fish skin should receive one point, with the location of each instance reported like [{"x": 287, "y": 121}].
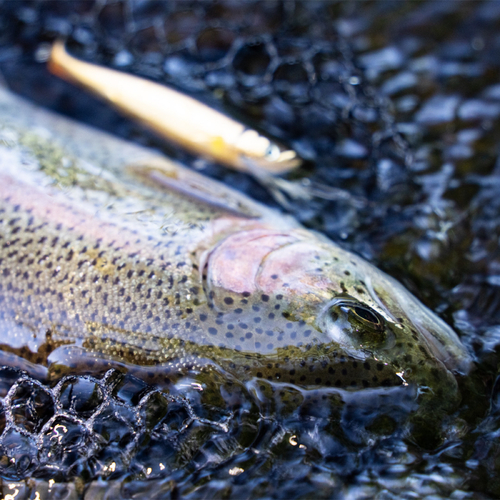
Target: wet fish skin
[{"x": 101, "y": 264}]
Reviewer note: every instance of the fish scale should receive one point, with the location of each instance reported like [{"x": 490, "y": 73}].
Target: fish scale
[{"x": 113, "y": 256}]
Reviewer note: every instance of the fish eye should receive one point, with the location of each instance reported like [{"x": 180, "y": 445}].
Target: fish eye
[
  {"x": 359, "y": 315},
  {"x": 351, "y": 323},
  {"x": 272, "y": 152},
  {"x": 367, "y": 315}
]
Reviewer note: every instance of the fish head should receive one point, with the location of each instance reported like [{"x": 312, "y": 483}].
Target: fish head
[
  {"x": 302, "y": 297},
  {"x": 259, "y": 152}
]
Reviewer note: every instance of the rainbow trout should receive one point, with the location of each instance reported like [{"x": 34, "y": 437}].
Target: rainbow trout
[{"x": 113, "y": 256}]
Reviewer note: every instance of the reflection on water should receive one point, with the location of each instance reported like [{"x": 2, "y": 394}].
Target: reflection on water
[{"x": 396, "y": 104}]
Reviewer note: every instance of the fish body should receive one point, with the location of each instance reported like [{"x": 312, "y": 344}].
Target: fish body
[
  {"x": 111, "y": 254},
  {"x": 176, "y": 116}
]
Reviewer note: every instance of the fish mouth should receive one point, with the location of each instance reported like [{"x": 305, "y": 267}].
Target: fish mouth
[
  {"x": 440, "y": 339},
  {"x": 457, "y": 361}
]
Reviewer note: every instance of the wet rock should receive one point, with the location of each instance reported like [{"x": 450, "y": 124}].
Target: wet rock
[
  {"x": 351, "y": 149},
  {"x": 400, "y": 82},
  {"x": 438, "y": 109},
  {"x": 220, "y": 80},
  {"x": 381, "y": 60},
  {"x": 492, "y": 92},
  {"x": 476, "y": 109},
  {"x": 177, "y": 67},
  {"x": 389, "y": 174},
  {"x": 449, "y": 69},
  {"x": 123, "y": 58}
]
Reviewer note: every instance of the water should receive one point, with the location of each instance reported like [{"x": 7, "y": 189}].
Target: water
[{"x": 396, "y": 106}]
